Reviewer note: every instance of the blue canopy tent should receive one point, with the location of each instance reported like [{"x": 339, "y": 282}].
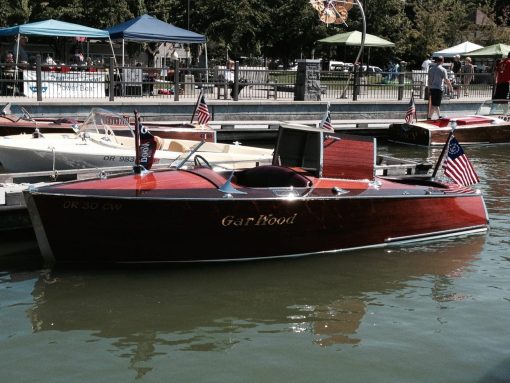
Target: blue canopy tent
[
  {"x": 147, "y": 28},
  {"x": 54, "y": 28}
]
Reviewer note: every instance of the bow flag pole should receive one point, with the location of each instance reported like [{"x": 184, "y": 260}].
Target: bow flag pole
[
  {"x": 446, "y": 144},
  {"x": 411, "y": 111},
  {"x": 326, "y": 121},
  {"x": 136, "y": 168}
]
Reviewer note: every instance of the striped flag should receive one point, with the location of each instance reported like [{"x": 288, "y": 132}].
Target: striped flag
[
  {"x": 326, "y": 121},
  {"x": 457, "y": 165},
  {"x": 411, "y": 111},
  {"x": 203, "y": 112}
]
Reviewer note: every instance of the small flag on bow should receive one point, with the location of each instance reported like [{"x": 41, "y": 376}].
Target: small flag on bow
[
  {"x": 203, "y": 111},
  {"x": 411, "y": 111},
  {"x": 326, "y": 121},
  {"x": 147, "y": 148},
  {"x": 457, "y": 166}
]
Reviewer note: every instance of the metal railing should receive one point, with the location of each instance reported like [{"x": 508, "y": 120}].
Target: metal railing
[{"x": 42, "y": 82}]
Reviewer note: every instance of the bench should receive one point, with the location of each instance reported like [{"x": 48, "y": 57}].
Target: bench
[
  {"x": 253, "y": 78},
  {"x": 420, "y": 80}
]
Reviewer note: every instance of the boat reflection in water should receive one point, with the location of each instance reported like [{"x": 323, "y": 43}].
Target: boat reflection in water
[{"x": 148, "y": 312}]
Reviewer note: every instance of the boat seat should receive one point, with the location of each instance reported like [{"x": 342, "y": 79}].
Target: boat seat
[
  {"x": 271, "y": 176},
  {"x": 173, "y": 146}
]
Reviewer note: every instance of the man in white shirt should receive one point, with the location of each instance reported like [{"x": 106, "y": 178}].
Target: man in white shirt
[{"x": 426, "y": 64}]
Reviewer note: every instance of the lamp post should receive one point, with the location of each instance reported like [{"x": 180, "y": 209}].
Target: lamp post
[{"x": 188, "y": 13}]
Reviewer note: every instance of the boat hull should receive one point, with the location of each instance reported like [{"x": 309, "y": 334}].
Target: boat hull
[
  {"x": 15, "y": 159},
  {"x": 190, "y": 229},
  {"x": 426, "y": 134}
]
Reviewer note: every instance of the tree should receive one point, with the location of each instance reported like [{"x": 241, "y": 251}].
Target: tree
[
  {"x": 292, "y": 31},
  {"x": 494, "y": 28},
  {"x": 234, "y": 26},
  {"x": 437, "y": 24}
]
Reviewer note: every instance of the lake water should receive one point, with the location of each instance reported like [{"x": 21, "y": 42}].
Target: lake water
[{"x": 433, "y": 312}]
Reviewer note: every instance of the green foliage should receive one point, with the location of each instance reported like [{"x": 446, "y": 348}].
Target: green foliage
[{"x": 285, "y": 30}]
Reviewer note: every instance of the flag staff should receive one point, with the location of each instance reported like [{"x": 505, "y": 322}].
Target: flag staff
[
  {"x": 440, "y": 159},
  {"x": 137, "y": 168}
]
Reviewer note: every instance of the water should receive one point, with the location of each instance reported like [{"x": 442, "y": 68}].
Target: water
[{"x": 433, "y": 312}]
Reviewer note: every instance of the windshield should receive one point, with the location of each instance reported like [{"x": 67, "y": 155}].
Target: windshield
[
  {"x": 490, "y": 108},
  {"x": 102, "y": 121}
]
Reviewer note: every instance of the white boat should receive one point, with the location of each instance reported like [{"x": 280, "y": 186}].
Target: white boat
[{"x": 107, "y": 139}]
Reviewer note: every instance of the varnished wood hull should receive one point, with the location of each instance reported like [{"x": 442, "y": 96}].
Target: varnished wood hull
[
  {"x": 192, "y": 223},
  {"x": 425, "y": 134}
]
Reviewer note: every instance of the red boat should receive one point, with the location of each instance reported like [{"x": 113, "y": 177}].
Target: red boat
[
  {"x": 491, "y": 125},
  {"x": 23, "y": 122},
  {"x": 320, "y": 195},
  {"x": 14, "y": 123}
]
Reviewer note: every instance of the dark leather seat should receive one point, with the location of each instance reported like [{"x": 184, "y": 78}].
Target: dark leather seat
[{"x": 271, "y": 176}]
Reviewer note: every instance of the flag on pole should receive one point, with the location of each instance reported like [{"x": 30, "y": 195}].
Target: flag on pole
[
  {"x": 457, "y": 165},
  {"x": 203, "y": 111},
  {"x": 411, "y": 111},
  {"x": 326, "y": 121},
  {"x": 147, "y": 147}
]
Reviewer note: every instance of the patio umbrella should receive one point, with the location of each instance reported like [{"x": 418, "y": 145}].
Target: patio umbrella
[
  {"x": 353, "y": 38},
  {"x": 459, "y": 49},
  {"x": 496, "y": 51}
]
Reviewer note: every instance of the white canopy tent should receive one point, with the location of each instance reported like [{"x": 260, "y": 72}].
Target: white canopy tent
[{"x": 459, "y": 49}]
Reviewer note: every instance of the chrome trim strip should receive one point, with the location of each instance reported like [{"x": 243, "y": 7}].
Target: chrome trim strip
[
  {"x": 437, "y": 234},
  {"x": 326, "y": 252},
  {"x": 309, "y": 197}
]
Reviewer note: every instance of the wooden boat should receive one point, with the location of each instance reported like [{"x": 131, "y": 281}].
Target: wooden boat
[
  {"x": 490, "y": 125},
  {"x": 319, "y": 195},
  {"x": 107, "y": 139},
  {"x": 24, "y": 123}
]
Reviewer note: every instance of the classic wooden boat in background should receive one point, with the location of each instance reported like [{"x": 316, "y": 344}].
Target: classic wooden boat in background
[
  {"x": 22, "y": 122},
  {"x": 320, "y": 195},
  {"x": 106, "y": 139},
  {"x": 490, "y": 125},
  {"x": 17, "y": 120}
]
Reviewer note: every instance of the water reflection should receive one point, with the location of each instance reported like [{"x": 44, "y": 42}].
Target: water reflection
[{"x": 214, "y": 307}]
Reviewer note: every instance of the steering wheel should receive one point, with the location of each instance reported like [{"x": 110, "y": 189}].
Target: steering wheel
[
  {"x": 26, "y": 115},
  {"x": 201, "y": 161}
]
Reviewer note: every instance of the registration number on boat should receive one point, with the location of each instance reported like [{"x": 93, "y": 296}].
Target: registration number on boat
[
  {"x": 89, "y": 205},
  {"x": 119, "y": 159}
]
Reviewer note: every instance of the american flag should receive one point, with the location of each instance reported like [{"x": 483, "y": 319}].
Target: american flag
[
  {"x": 411, "y": 111},
  {"x": 457, "y": 165},
  {"x": 203, "y": 112},
  {"x": 326, "y": 121}
]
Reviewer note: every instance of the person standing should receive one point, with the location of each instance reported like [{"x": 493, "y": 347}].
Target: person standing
[
  {"x": 425, "y": 65},
  {"x": 502, "y": 79},
  {"x": 437, "y": 78},
  {"x": 456, "y": 69},
  {"x": 457, "y": 65},
  {"x": 468, "y": 70}
]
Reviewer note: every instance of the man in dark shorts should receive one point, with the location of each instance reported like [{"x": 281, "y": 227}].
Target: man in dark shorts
[
  {"x": 502, "y": 74},
  {"x": 437, "y": 77}
]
